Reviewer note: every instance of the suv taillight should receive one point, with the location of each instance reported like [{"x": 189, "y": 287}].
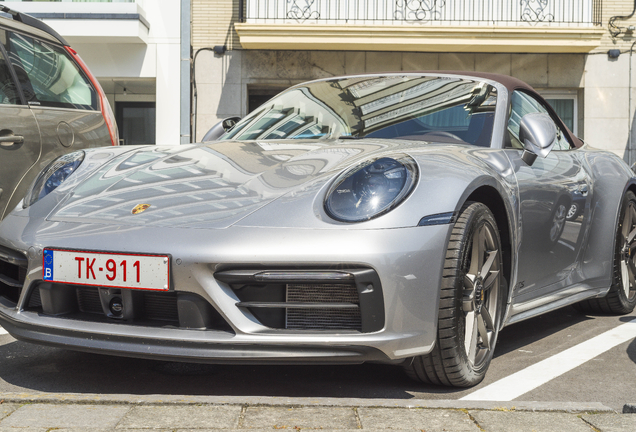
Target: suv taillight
[{"x": 107, "y": 111}]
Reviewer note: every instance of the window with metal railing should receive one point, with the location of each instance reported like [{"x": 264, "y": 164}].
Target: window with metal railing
[{"x": 430, "y": 12}]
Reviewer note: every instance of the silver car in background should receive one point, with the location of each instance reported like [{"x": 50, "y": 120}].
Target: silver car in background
[
  {"x": 401, "y": 218},
  {"x": 50, "y": 104}
]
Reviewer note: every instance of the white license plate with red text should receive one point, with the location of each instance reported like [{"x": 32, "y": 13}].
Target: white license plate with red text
[{"x": 105, "y": 269}]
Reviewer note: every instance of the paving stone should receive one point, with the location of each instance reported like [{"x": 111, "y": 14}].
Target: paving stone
[
  {"x": 105, "y": 430},
  {"x": 6, "y": 409},
  {"x": 186, "y": 417},
  {"x": 55, "y": 416},
  {"x": 415, "y": 418},
  {"x": 108, "y": 430},
  {"x": 303, "y": 418},
  {"x": 612, "y": 422},
  {"x": 21, "y": 429},
  {"x": 515, "y": 421}
]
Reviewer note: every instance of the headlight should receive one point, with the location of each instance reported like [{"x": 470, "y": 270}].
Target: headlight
[
  {"x": 371, "y": 189},
  {"x": 52, "y": 176}
]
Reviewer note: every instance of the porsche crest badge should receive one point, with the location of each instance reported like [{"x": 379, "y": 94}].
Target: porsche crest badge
[{"x": 140, "y": 208}]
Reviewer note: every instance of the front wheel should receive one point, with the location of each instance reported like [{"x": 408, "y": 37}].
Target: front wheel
[{"x": 471, "y": 304}]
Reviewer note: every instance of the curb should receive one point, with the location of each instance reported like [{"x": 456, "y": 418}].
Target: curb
[{"x": 100, "y": 399}]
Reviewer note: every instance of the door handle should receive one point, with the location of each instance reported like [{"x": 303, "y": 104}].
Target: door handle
[{"x": 11, "y": 140}]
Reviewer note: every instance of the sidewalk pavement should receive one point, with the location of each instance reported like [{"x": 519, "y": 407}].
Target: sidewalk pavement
[{"x": 72, "y": 412}]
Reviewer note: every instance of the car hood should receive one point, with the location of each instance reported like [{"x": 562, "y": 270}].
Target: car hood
[{"x": 210, "y": 185}]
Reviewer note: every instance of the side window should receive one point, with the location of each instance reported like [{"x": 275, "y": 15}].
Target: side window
[
  {"x": 522, "y": 104},
  {"x": 9, "y": 94},
  {"x": 47, "y": 75}
]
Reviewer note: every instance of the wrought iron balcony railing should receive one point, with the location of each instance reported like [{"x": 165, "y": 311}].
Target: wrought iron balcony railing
[{"x": 429, "y": 12}]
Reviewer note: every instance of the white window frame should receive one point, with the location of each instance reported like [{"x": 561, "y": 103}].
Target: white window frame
[{"x": 565, "y": 94}]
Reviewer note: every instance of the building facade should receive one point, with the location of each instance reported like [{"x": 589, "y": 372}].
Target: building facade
[{"x": 560, "y": 47}]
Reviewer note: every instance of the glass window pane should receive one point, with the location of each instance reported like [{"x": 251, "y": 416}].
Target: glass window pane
[
  {"x": 428, "y": 108},
  {"x": 48, "y": 76},
  {"x": 522, "y": 104},
  {"x": 8, "y": 90},
  {"x": 137, "y": 122},
  {"x": 565, "y": 110}
]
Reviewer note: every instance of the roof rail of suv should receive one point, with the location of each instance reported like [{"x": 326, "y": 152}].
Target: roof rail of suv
[{"x": 33, "y": 22}]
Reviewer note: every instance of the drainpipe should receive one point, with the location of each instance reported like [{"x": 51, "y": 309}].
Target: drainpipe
[
  {"x": 630, "y": 146},
  {"x": 184, "y": 81}
]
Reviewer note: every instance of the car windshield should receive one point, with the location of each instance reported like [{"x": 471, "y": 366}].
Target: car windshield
[{"x": 427, "y": 108}]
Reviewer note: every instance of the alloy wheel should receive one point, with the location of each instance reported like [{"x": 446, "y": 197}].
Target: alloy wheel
[
  {"x": 628, "y": 268},
  {"x": 481, "y": 295}
]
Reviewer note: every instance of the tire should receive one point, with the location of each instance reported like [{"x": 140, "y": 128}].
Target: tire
[
  {"x": 471, "y": 304},
  {"x": 621, "y": 297}
]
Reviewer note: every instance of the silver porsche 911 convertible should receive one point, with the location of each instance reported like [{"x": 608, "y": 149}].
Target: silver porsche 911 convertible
[{"x": 399, "y": 218}]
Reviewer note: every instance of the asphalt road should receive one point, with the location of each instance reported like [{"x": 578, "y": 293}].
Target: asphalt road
[{"x": 609, "y": 378}]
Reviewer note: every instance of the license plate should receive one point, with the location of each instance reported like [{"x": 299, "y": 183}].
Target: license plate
[{"x": 105, "y": 269}]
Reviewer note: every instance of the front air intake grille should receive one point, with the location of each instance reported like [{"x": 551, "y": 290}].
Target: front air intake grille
[
  {"x": 140, "y": 307},
  {"x": 161, "y": 306},
  {"x": 88, "y": 300},
  {"x": 314, "y": 299},
  {"x": 13, "y": 270},
  {"x": 323, "y": 318},
  {"x": 322, "y": 293}
]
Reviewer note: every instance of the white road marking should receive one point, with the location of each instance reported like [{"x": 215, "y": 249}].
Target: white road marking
[
  {"x": 519, "y": 383},
  {"x": 3, "y": 331}
]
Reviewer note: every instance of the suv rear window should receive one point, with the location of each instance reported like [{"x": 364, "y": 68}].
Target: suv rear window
[{"x": 48, "y": 76}]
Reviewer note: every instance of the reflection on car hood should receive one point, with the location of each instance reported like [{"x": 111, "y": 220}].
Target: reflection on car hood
[{"x": 212, "y": 185}]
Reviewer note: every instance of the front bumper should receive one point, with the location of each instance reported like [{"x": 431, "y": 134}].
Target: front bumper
[{"x": 407, "y": 261}]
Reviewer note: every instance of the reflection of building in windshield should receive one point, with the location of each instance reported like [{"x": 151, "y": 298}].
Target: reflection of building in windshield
[
  {"x": 413, "y": 107},
  {"x": 296, "y": 114},
  {"x": 402, "y": 96}
]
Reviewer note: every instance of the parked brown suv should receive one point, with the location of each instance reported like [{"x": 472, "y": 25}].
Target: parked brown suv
[{"x": 50, "y": 104}]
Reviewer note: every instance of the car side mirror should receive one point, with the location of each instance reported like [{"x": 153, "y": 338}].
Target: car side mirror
[
  {"x": 220, "y": 128},
  {"x": 537, "y": 133},
  {"x": 229, "y": 123}
]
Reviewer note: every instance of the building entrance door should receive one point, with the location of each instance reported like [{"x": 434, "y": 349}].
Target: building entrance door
[{"x": 136, "y": 122}]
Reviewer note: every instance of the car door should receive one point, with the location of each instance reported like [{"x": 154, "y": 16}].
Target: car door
[
  {"x": 554, "y": 197},
  {"x": 20, "y": 145}
]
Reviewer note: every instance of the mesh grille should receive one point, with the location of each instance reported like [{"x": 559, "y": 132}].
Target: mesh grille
[
  {"x": 88, "y": 300},
  {"x": 34, "y": 300},
  {"x": 323, "y": 318},
  {"x": 161, "y": 306}
]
